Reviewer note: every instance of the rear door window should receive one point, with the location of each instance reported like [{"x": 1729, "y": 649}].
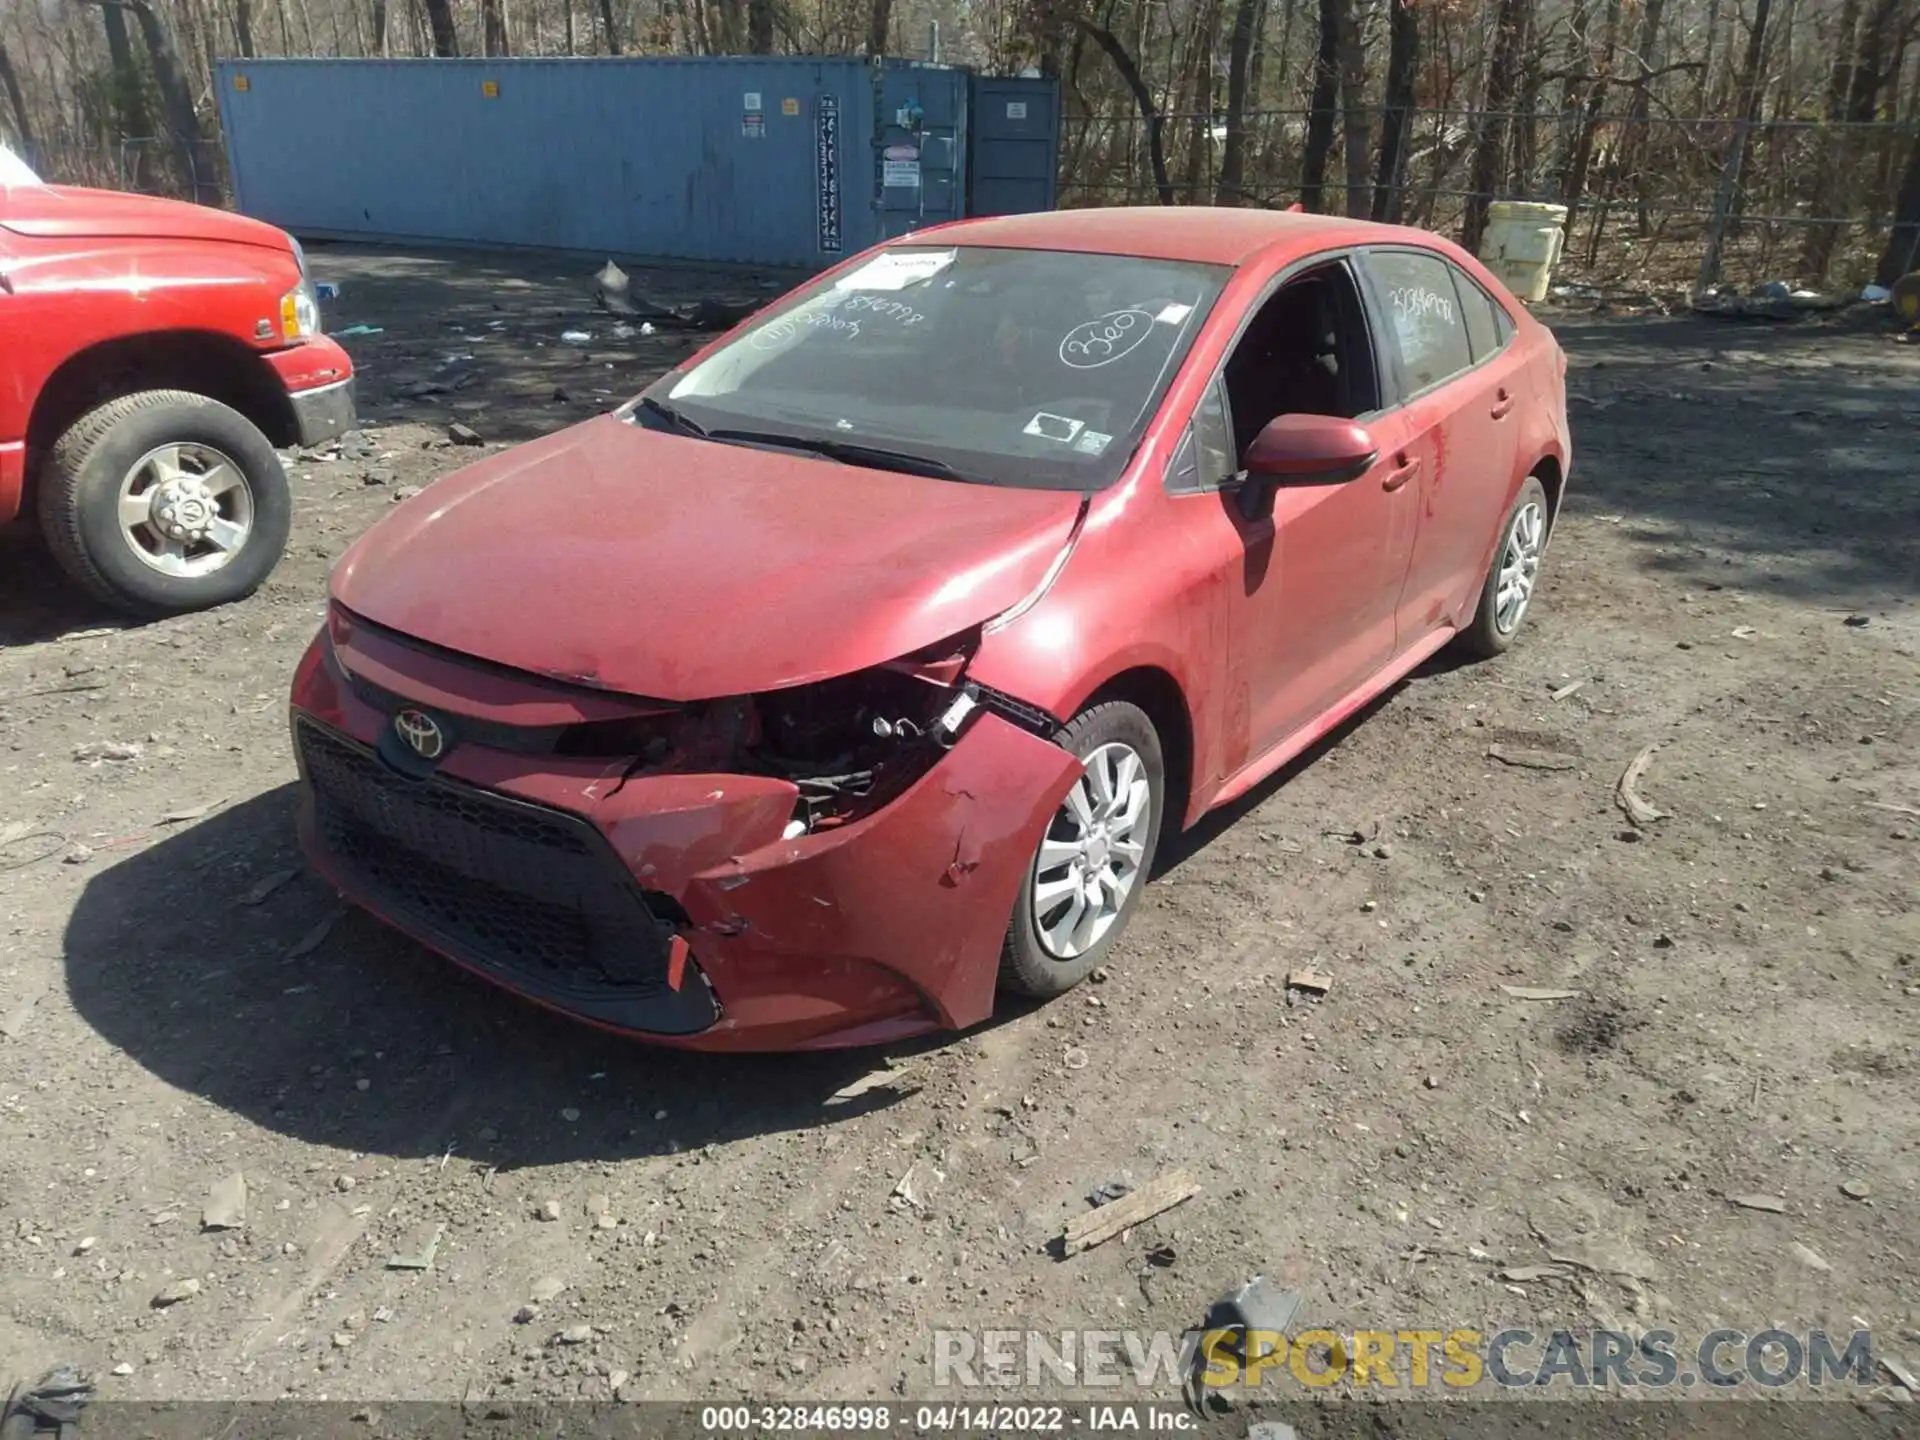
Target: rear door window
[
  {"x": 1477, "y": 310},
  {"x": 1423, "y": 314}
]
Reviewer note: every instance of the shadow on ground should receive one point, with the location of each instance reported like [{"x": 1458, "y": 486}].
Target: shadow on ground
[
  {"x": 37, "y": 601},
  {"x": 1779, "y": 458},
  {"x": 514, "y": 346},
  {"x": 169, "y": 964}
]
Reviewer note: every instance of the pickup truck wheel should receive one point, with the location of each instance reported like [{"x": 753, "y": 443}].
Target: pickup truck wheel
[{"x": 165, "y": 501}]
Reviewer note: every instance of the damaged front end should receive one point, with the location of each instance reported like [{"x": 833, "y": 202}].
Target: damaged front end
[{"x": 829, "y": 863}]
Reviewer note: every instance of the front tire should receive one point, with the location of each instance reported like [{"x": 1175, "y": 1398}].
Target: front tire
[
  {"x": 165, "y": 501},
  {"x": 1094, "y": 858},
  {"x": 1507, "y": 594}
]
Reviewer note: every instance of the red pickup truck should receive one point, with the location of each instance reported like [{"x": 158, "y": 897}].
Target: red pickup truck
[{"x": 152, "y": 357}]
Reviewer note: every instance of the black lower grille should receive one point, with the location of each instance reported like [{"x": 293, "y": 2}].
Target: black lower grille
[{"x": 499, "y": 882}]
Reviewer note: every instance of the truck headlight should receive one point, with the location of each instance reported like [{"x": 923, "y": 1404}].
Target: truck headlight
[{"x": 299, "y": 312}]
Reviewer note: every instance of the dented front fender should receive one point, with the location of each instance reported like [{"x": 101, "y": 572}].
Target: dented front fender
[{"x": 921, "y": 889}]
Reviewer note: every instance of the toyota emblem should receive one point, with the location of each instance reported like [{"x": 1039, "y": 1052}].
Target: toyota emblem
[{"x": 423, "y": 736}]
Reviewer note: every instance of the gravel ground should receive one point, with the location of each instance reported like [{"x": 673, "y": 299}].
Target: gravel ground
[{"x": 1735, "y": 582}]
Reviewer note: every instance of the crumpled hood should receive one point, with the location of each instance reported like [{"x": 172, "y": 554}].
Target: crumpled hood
[
  {"x": 69, "y": 212},
  {"x": 682, "y": 569}
]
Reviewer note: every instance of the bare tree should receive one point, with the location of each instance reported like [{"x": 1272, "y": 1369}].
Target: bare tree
[
  {"x": 22, "y": 126},
  {"x": 446, "y": 39},
  {"x": 1728, "y": 197},
  {"x": 1355, "y": 124},
  {"x": 243, "y": 25},
  {"x": 1229, "y": 185},
  {"x": 760, "y": 26},
  {"x": 493, "y": 28},
  {"x": 170, "y": 77},
  {"x": 1403, "y": 60},
  {"x": 1320, "y": 119},
  {"x": 1489, "y": 150},
  {"x": 1902, "y": 254},
  {"x": 1130, "y": 76}
]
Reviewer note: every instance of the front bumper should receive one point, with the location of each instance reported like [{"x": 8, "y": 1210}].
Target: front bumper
[
  {"x": 669, "y": 905},
  {"x": 323, "y": 414},
  {"x": 317, "y": 375}
]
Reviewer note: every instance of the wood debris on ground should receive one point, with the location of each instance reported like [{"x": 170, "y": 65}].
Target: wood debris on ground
[
  {"x": 1531, "y": 759},
  {"x": 1629, "y": 799},
  {"x": 1083, "y": 1232}
]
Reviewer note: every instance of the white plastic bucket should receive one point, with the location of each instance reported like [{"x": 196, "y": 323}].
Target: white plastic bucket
[{"x": 1522, "y": 245}]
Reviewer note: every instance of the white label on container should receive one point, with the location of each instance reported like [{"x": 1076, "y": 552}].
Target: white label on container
[
  {"x": 751, "y": 101},
  {"x": 1016, "y": 109},
  {"x": 900, "y": 174}
]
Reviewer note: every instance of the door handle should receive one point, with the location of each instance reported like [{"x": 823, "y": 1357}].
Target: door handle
[
  {"x": 1397, "y": 477},
  {"x": 1502, "y": 405}
]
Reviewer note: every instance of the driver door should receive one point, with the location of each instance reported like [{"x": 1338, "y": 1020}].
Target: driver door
[{"x": 1315, "y": 575}]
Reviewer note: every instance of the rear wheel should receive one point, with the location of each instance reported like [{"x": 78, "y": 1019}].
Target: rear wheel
[
  {"x": 1508, "y": 592},
  {"x": 165, "y": 501},
  {"x": 1093, "y": 861}
]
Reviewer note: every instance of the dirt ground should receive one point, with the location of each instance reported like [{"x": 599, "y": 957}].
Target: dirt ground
[{"x": 1736, "y": 580}]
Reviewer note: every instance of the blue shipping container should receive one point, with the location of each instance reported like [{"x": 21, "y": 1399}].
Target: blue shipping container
[{"x": 743, "y": 159}]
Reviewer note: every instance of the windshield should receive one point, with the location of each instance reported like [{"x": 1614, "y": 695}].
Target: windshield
[{"x": 1012, "y": 367}]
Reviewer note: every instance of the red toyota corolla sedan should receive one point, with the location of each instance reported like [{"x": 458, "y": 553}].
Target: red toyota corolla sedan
[{"x": 859, "y": 666}]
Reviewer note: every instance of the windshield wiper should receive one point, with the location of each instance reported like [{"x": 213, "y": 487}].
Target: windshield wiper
[
  {"x": 672, "y": 416},
  {"x": 846, "y": 452}
]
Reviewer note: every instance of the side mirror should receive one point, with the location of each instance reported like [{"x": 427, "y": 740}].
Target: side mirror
[{"x": 1302, "y": 450}]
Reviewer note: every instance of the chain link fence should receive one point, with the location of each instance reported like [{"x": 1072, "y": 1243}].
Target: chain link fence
[
  {"x": 155, "y": 165},
  {"x": 1814, "y": 201}
]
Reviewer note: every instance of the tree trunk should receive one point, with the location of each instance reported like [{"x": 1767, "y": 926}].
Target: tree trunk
[
  {"x": 1703, "y": 101},
  {"x": 1354, "y": 122},
  {"x": 573, "y": 42},
  {"x": 1403, "y": 64},
  {"x": 760, "y": 27},
  {"x": 879, "y": 26},
  {"x": 446, "y": 40},
  {"x": 493, "y": 27},
  {"x": 1574, "y": 188},
  {"x": 169, "y": 74},
  {"x": 176, "y": 96},
  {"x": 1320, "y": 121},
  {"x": 1142, "y": 97},
  {"x": 1489, "y": 149},
  {"x": 1200, "y": 101},
  {"x": 1640, "y": 110},
  {"x": 1724, "y": 201},
  {"x": 611, "y": 31},
  {"x": 1817, "y": 254},
  {"x": 22, "y": 127},
  {"x": 243, "y": 27},
  {"x": 129, "y": 88},
  {"x": 1526, "y": 141},
  {"x": 1902, "y": 254},
  {"x": 1230, "y": 186}
]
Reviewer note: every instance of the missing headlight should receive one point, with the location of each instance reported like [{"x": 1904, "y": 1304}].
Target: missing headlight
[{"x": 852, "y": 743}]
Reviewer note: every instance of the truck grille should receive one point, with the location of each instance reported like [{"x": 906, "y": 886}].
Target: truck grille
[{"x": 497, "y": 882}]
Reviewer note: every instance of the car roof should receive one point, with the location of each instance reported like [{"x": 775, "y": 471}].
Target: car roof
[{"x": 1204, "y": 234}]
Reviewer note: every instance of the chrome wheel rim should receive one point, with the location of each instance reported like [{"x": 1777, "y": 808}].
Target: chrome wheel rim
[
  {"x": 1519, "y": 567},
  {"x": 1090, "y": 858},
  {"x": 185, "y": 510}
]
